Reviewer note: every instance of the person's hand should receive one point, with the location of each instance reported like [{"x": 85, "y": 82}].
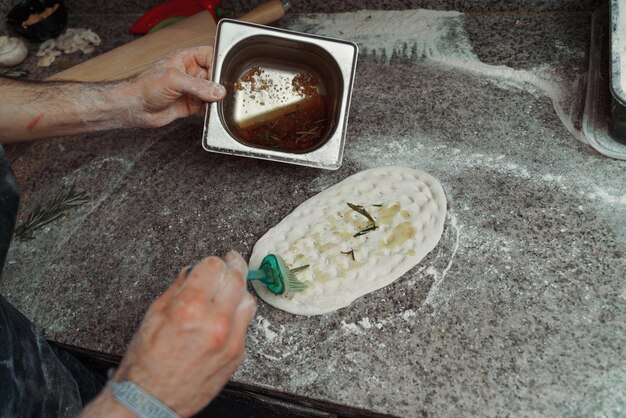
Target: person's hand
[
  {"x": 191, "y": 340},
  {"x": 175, "y": 87}
]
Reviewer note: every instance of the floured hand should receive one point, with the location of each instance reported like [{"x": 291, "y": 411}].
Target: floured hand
[{"x": 176, "y": 87}]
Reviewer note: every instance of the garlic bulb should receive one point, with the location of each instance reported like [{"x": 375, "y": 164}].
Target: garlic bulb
[{"x": 12, "y": 51}]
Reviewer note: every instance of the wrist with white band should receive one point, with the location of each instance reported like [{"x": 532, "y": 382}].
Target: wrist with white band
[{"x": 138, "y": 401}]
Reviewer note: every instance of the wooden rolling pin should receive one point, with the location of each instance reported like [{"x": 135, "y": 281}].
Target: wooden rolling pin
[{"x": 135, "y": 56}]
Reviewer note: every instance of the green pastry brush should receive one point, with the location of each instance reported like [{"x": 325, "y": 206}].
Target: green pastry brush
[{"x": 276, "y": 276}]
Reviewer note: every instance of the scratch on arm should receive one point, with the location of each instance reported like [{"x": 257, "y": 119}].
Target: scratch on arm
[{"x": 33, "y": 123}]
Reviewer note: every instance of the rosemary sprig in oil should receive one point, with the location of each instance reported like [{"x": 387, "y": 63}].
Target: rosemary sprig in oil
[
  {"x": 276, "y": 123},
  {"x": 55, "y": 209},
  {"x": 304, "y": 134}
]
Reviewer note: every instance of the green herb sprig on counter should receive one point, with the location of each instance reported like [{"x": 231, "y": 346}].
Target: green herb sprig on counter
[
  {"x": 14, "y": 73},
  {"x": 55, "y": 209}
]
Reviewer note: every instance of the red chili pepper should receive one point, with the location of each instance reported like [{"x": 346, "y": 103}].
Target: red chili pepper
[{"x": 172, "y": 8}]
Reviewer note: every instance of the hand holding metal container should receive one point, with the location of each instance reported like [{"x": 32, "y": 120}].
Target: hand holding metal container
[{"x": 288, "y": 95}]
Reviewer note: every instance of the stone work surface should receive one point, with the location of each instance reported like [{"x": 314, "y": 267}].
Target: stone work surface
[{"x": 521, "y": 308}]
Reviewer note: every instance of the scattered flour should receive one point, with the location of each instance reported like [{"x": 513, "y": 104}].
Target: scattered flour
[
  {"x": 264, "y": 325},
  {"x": 381, "y": 150},
  {"x": 423, "y": 33},
  {"x": 351, "y": 327},
  {"x": 439, "y": 37},
  {"x": 521, "y": 171},
  {"x": 552, "y": 178},
  {"x": 606, "y": 197},
  {"x": 438, "y": 278},
  {"x": 365, "y": 323},
  {"x": 408, "y": 314}
]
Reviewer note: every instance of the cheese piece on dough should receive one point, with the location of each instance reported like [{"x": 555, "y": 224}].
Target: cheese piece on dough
[{"x": 409, "y": 208}]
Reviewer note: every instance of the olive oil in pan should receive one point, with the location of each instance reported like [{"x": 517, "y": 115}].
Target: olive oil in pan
[{"x": 289, "y": 112}]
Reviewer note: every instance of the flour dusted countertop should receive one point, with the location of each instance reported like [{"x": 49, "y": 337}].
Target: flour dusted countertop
[{"x": 521, "y": 308}]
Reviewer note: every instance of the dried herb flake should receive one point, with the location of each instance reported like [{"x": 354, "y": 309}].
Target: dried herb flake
[{"x": 350, "y": 253}]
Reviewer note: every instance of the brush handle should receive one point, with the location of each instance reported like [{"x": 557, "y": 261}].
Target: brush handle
[
  {"x": 267, "y": 279},
  {"x": 270, "y": 274},
  {"x": 256, "y": 275}
]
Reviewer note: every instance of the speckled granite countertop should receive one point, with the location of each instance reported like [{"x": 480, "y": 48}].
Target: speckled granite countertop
[{"x": 519, "y": 311}]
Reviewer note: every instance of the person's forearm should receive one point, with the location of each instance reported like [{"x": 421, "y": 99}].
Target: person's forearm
[
  {"x": 175, "y": 87},
  {"x": 33, "y": 110}
]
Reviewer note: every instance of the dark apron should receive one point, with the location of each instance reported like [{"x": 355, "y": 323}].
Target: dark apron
[{"x": 36, "y": 380}]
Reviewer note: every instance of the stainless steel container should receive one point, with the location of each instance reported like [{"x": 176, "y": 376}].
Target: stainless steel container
[
  {"x": 604, "y": 119},
  {"x": 244, "y": 51},
  {"x": 618, "y": 69}
]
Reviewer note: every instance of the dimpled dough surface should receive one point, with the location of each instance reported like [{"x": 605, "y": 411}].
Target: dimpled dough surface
[{"x": 409, "y": 208}]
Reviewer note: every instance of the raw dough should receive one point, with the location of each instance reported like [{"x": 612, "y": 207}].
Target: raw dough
[{"x": 320, "y": 232}]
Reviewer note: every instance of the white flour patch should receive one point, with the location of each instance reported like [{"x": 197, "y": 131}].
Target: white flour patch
[
  {"x": 381, "y": 150},
  {"x": 439, "y": 37},
  {"x": 521, "y": 171},
  {"x": 264, "y": 326},
  {"x": 269, "y": 357},
  {"x": 365, "y": 323},
  {"x": 606, "y": 197},
  {"x": 351, "y": 327},
  {"x": 552, "y": 178},
  {"x": 408, "y": 314},
  {"x": 424, "y": 33},
  {"x": 438, "y": 278}
]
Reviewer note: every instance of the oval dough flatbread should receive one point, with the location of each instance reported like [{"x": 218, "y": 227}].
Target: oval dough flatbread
[{"x": 408, "y": 208}]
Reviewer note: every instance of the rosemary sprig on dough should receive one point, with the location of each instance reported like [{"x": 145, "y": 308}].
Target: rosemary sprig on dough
[
  {"x": 297, "y": 269},
  {"x": 371, "y": 225},
  {"x": 360, "y": 209},
  {"x": 55, "y": 209},
  {"x": 364, "y": 231}
]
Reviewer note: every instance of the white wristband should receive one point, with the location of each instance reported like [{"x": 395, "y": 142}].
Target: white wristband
[{"x": 138, "y": 401}]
